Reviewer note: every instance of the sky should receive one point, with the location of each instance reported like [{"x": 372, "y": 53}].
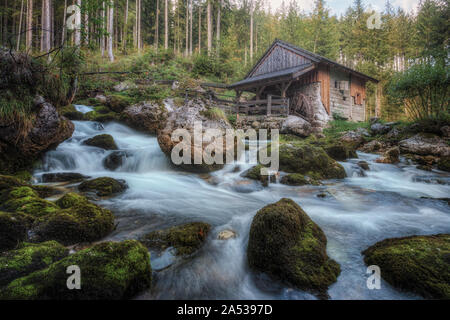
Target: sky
[{"x": 339, "y": 7}]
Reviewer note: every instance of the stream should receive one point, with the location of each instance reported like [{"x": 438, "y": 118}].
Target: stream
[{"x": 355, "y": 213}]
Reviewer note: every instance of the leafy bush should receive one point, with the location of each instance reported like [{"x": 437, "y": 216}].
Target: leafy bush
[
  {"x": 424, "y": 90},
  {"x": 209, "y": 66}
]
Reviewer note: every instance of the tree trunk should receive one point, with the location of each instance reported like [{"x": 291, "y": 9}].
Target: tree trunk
[
  {"x": 20, "y": 26},
  {"x": 209, "y": 18},
  {"x": 102, "y": 38},
  {"x": 29, "y": 34},
  {"x": 77, "y": 37},
  {"x": 251, "y": 31},
  {"x": 157, "y": 26},
  {"x": 111, "y": 31},
  {"x": 125, "y": 27},
  {"x": 199, "y": 30},
  {"x": 166, "y": 25},
  {"x": 218, "y": 25},
  {"x": 46, "y": 29},
  {"x": 5, "y": 23},
  {"x": 186, "y": 51},
  {"x": 191, "y": 18}
]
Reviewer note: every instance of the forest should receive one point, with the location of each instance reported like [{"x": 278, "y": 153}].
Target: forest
[{"x": 221, "y": 39}]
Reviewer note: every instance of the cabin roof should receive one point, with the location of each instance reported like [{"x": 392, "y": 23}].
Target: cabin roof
[
  {"x": 314, "y": 58},
  {"x": 277, "y": 75}
]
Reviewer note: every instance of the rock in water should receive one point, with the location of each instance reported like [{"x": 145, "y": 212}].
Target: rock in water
[
  {"x": 103, "y": 186},
  {"x": 297, "y": 126},
  {"x": 109, "y": 271},
  {"x": 63, "y": 177},
  {"x": 226, "y": 235},
  {"x": 309, "y": 160},
  {"x": 419, "y": 264},
  {"x": 114, "y": 160},
  {"x": 78, "y": 220},
  {"x": 390, "y": 156},
  {"x": 103, "y": 141},
  {"x": 184, "y": 117},
  {"x": 186, "y": 238},
  {"x": 425, "y": 144},
  {"x": 285, "y": 243},
  {"x": 29, "y": 258},
  {"x": 145, "y": 116}
]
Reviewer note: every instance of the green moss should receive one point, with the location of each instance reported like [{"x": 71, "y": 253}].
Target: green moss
[
  {"x": 71, "y": 113},
  {"x": 418, "y": 264},
  {"x": 444, "y": 164},
  {"x": 186, "y": 239},
  {"x": 295, "y": 179},
  {"x": 254, "y": 173},
  {"x": 13, "y": 229},
  {"x": 26, "y": 200},
  {"x": 104, "y": 141},
  {"x": 46, "y": 191},
  {"x": 109, "y": 270},
  {"x": 24, "y": 175},
  {"x": 340, "y": 151},
  {"x": 29, "y": 258},
  {"x": 8, "y": 182},
  {"x": 70, "y": 199},
  {"x": 80, "y": 221},
  {"x": 118, "y": 102},
  {"x": 309, "y": 160},
  {"x": 285, "y": 243},
  {"x": 103, "y": 186}
]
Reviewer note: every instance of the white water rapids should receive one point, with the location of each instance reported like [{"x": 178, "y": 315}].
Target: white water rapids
[{"x": 357, "y": 212}]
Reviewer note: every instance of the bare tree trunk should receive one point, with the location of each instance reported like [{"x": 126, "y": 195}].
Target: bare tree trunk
[
  {"x": 218, "y": 25},
  {"x": 20, "y": 26},
  {"x": 191, "y": 18},
  {"x": 102, "y": 38},
  {"x": 251, "y": 30},
  {"x": 139, "y": 37},
  {"x": 77, "y": 34},
  {"x": 46, "y": 29},
  {"x": 125, "y": 27},
  {"x": 63, "y": 34},
  {"x": 5, "y": 22},
  {"x": 199, "y": 30},
  {"x": 29, "y": 34},
  {"x": 166, "y": 24},
  {"x": 209, "y": 18},
  {"x": 157, "y": 26},
  {"x": 111, "y": 31},
  {"x": 186, "y": 51}
]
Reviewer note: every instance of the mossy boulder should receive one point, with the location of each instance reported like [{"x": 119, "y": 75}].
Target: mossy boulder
[
  {"x": 101, "y": 117},
  {"x": 186, "y": 238},
  {"x": 71, "y": 113},
  {"x": 103, "y": 186},
  {"x": 309, "y": 160},
  {"x": 103, "y": 141},
  {"x": 295, "y": 179},
  {"x": 46, "y": 191},
  {"x": 254, "y": 173},
  {"x": 13, "y": 229},
  {"x": 114, "y": 160},
  {"x": 26, "y": 200},
  {"x": 340, "y": 152},
  {"x": 118, "y": 103},
  {"x": 109, "y": 271},
  {"x": 78, "y": 221},
  {"x": 8, "y": 182},
  {"x": 29, "y": 258},
  {"x": 444, "y": 164},
  {"x": 286, "y": 244},
  {"x": 63, "y": 177},
  {"x": 419, "y": 264}
]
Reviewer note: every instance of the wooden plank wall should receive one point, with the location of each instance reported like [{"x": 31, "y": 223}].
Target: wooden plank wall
[
  {"x": 357, "y": 85},
  {"x": 323, "y": 76},
  {"x": 279, "y": 59}
]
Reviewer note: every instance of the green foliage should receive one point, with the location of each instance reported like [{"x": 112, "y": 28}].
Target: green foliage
[
  {"x": 210, "y": 66},
  {"x": 424, "y": 90},
  {"x": 214, "y": 114}
]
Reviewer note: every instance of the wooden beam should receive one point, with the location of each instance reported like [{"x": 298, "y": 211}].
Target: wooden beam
[{"x": 269, "y": 105}]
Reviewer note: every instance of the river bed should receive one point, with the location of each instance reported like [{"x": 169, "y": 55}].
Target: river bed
[{"x": 355, "y": 213}]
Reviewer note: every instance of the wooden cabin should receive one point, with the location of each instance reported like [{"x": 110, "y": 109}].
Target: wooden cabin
[{"x": 311, "y": 83}]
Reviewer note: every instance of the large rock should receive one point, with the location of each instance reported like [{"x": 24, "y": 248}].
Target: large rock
[
  {"x": 114, "y": 160},
  {"x": 380, "y": 128},
  {"x": 184, "y": 117},
  {"x": 297, "y": 126},
  {"x": 390, "y": 156},
  {"x": 419, "y": 264},
  {"x": 124, "y": 85},
  {"x": 26, "y": 200},
  {"x": 309, "y": 160},
  {"x": 29, "y": 258},
  {"x": 63, "y": 177},
  {"x": 109, "y": 271},
  {"x": 103, "y": 141},
  {"x": 21, "y": 144},
  {"x": 145, "y": 116},
  {"x": 78, "y": 221},
  {"x": 186, "y": 238},
  {"x": 355, "y": 138},
  {"x": 286, "y": 244},
  {"x": 103, "y": 186},
  {"x": 13, "y": 229},
  {"x": 254, "y": 173},
  {"x": 425, "y": 144}
]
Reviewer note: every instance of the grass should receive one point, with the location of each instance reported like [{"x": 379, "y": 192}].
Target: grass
[
  {"x": 336, "y": 127},
  {"x": 215, "y": 114}
]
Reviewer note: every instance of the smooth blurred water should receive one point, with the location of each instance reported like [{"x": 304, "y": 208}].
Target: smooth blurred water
[{"x": 357, "y": 212}]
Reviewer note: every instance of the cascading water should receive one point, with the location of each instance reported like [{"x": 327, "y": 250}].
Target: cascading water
[{"x": 357, "y": 212}]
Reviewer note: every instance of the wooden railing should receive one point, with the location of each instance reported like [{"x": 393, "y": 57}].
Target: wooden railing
[{"x": 268, "y": 107}]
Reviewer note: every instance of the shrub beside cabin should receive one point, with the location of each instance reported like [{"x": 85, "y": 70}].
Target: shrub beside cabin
[{"x": 313, "y": 84}]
